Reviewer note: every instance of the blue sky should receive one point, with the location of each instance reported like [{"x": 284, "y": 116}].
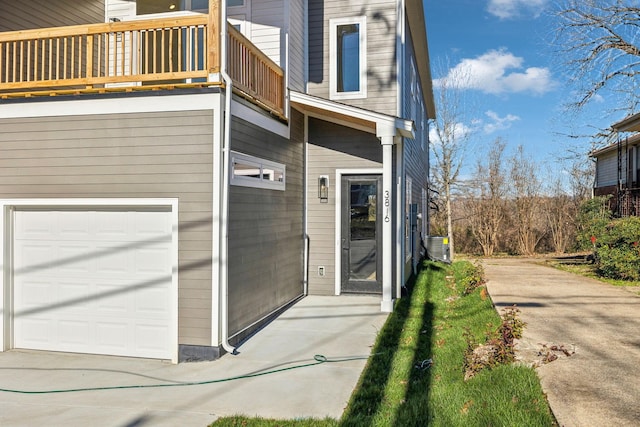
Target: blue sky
[{"x": 515, "y": 83}]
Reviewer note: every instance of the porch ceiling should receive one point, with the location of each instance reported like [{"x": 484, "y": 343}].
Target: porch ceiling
[{"x": 354, "y": 117}]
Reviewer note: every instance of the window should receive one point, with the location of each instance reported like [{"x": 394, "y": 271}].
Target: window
[
  {"x": 348, "y": 58},
  {"x": 146, "y": 7},
  {"x": 423, "y": 127},
  {"x": 235, "y": 3},
  {"x": 425, "y": 212},
  {"x": 407, "y": 226},
  {"x": 249, "y": 171}
]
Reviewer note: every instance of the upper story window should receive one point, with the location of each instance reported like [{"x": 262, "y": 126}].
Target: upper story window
[{"x": 348, "y": 58}]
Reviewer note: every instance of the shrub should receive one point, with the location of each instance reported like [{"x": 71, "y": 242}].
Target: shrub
[
  {"x": 499, "y": 348},
  {"x": 472, "y": 277},
  {"x": 618, "y": 249},
  {"x": 593, "y": 217}
]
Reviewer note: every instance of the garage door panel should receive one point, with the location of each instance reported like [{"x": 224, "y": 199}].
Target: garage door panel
[
  {"x": 33, "y": 225},
  {"x": 113, "y": 337},
  {"x": 73, "y": 334},
  {"x": 74, "y": 296},
  {"x": 32, "y": 294},
  {"x": 147, "y": 337},
  {"x": 94, "y": 282},
  {"x": 153, "y": 224},
  {"x": 38, "y": 331},
  {"x": 112, "y": 225},
  {"x": 74, "y": 225},
  {"x": 112, "y": 260},
  {"x": 32, "y": 257},
  {"x": 73, "y": 259},
  {"x": 113, "y": 299},
  {"x": 154, "y": 303},
  {"x": 152, "y": 261}
]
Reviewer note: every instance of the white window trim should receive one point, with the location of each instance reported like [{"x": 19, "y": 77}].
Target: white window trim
[
  {"x": 333, "y": 61},
  {"x": 261, "y": 165}
]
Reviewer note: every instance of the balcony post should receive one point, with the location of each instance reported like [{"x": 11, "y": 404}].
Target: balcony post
[
  {"x": 89, "y": 62},
  {"x": 213, "y": 37}
]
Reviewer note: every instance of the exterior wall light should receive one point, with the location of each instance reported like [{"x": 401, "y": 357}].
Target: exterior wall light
[{"x": 323, "y": 188}]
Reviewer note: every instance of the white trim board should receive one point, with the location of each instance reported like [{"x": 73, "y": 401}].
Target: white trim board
[
  {"x": 109, "y": 105},
  {"x": 6, "y": 237}
]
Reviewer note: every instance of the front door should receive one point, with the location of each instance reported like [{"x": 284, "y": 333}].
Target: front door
[{"x": 361, "y": 232}]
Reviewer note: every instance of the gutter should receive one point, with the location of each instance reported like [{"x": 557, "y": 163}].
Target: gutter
[{"x": 224, "y": 209}]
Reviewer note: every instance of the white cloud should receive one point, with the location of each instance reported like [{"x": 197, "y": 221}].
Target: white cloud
[
  {"x": 493, "y": 72},
  {"x": 455, "y": 132},
  {"x": 498, "y": 123},
  {"x": 507, "y": 9}
]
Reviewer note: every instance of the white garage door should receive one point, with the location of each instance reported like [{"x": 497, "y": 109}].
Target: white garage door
[{"x": 94, "y": 282}]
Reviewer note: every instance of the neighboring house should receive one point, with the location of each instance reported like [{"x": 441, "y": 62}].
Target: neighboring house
[
  {"x": 618, "y": 169},
  {"x": 170, "y": 184}
]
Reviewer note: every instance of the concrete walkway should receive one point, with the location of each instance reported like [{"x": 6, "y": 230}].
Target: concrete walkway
[
  {"x": 337, "y": 327},
  {"x": 599, "y": 385}
]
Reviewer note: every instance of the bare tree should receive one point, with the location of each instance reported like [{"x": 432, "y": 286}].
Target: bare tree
[
  {"x": 486, "y": 207},
  {"x": 526, "y": 190},
  {"x": 599, "y": 44},
  {"x": 560, "y": 213},
  {"x": 449, "y": 142}
]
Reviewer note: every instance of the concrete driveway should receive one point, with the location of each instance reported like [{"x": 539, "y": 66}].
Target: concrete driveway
[
  {"x": 598, "y": 385},
  {"x": 341, "y": 328}
]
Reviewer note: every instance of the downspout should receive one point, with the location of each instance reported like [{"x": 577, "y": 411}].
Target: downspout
[
  {"x": 224, "y": 209},
  {"x": 305, "y": 217}
]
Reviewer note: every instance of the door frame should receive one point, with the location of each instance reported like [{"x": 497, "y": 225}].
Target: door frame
[{"x": 338, "y": 220}]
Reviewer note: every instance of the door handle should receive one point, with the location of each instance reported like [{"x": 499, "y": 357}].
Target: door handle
[{"x": 345, "y": 246}]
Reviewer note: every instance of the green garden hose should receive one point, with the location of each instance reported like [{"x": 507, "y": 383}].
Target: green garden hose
[{"x": 318, "y": 360}]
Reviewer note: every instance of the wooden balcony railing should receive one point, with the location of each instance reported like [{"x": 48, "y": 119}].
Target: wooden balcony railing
[
  {"x": 169, "y": 51},
  {"x": 253, "y": 72}
]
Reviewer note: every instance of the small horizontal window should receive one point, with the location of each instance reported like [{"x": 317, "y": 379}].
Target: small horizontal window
[{"x": 249, "y": 171}]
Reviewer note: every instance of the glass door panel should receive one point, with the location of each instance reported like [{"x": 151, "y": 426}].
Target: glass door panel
[{"x": 361, "y": 235}]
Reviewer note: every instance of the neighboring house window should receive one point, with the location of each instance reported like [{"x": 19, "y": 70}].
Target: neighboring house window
[
  {"x": 407, "y": 226},
  {"x": 425, "y": 216},
  {"x": 423, "y": 128},
  {"x": 348, "y": 58},
  {"x": 249, "y": 171}
]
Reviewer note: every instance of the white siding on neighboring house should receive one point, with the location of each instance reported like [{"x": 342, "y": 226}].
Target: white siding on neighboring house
[{"x": 607, "y": 169}]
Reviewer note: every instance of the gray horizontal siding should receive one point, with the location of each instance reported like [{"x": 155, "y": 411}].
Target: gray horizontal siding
[
  {"x": 296, "y": 45},
  {"x": 126, "y": 156},
  {"x": 381, "y": 50},
  {"x": 331, "y": 147},
  {"x": 265, "y": 228},
  {"x": 23, "y": 15}
]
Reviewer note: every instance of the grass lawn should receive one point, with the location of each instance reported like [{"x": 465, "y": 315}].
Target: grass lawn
[
  {"x": 400, "y": 387},
  {"x": 589, "y": 270}
]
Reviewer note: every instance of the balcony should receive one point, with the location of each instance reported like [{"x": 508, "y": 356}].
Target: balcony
[{"x": 168, "y": 53}]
